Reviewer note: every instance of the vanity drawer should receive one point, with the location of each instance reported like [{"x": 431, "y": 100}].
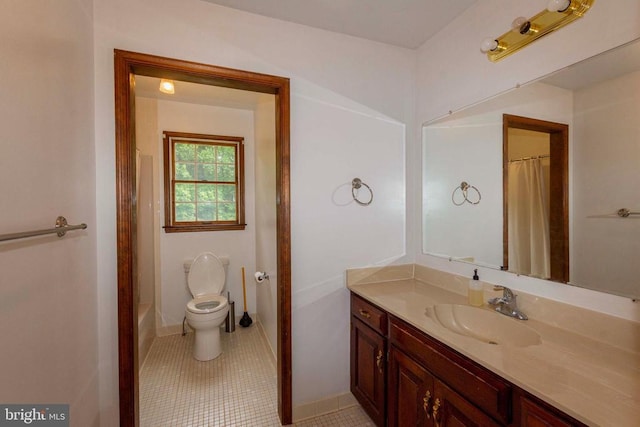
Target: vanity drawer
[
  {"x": 369, "y": 314},
  {"x": 479, "y": 386}
]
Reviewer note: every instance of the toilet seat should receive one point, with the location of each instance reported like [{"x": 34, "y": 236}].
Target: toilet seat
[{"x": 205, "y": 304}]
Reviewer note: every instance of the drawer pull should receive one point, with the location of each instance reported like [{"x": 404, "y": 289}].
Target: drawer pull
[
  {"x": 425, "y": 405},
  {"x": 434, "y": 412},
  {"x": 379, "y": 361},
  {"x": 364, "y": 314}
]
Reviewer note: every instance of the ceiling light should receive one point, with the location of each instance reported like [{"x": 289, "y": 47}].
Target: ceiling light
[
  {"x": 522, "y": 25},
  {"x": 524, "y": 31},
  {"x": 489, "y": 45},
  {"x": 166, "y": 86},
  {"x": 558, "y": 5}
]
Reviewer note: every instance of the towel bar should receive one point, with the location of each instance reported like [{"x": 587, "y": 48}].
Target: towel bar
[{"x": 60, "y": 229}]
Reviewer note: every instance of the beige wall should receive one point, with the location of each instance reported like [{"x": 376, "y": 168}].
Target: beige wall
[{"x": 48, "y": 315}]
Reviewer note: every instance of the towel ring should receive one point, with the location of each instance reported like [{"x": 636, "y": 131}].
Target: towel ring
[
  {"x": 464, "y": 189},
  {"x": 356, "y": 184}
]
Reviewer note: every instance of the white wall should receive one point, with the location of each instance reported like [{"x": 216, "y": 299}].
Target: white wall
[
  {"x": 48, "y": 318},
  {"x": 606, "y": 172},
  {"x": 351, "y": 102},
  {"x": 266, "y": 210},
  {"x": 331, "y": 232},
  {"x": 452, "y": 73}
]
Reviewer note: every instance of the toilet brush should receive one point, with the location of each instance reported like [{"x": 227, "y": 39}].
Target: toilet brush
[{"x": 246, "y": 319}]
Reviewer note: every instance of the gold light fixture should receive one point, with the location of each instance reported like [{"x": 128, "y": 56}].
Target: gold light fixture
[
  {"x": 166, "y": 86},
  {"x": 524, "y": 31}
]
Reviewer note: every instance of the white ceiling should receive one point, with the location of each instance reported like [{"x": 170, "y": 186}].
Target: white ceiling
[{"x": 405, "y": 23}]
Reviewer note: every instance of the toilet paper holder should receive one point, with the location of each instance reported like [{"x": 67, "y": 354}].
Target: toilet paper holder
[{"x": 261, "y": 276}]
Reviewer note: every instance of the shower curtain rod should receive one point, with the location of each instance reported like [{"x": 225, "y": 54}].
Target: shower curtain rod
[
  {"x": 60, "y": 229},
  {"x": 544, "y": 156}
]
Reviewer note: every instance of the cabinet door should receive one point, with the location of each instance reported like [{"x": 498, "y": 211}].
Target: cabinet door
[
  {"x": 368, "y": 354},
  {"x": 410, "y": 395},
  {"x": 534, "y": 415},
  {"x": 452, "y": 410}
]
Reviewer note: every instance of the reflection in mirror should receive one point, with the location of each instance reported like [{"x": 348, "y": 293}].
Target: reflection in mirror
[
  {"x": 599, "y": 101},
  {"x": 535, "y": 195}
]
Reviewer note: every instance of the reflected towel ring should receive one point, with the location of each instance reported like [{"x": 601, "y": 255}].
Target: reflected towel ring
[
  {"x": 464, "y": 189},
  {"x": 624, "y": 213},
  {"x": 356, "y": 184}
]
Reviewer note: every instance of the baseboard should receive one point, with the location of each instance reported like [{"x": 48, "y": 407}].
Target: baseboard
[
  {"x": 265, "y": 340},
  {"x": 164, "y": 331},
  {"x": 323, "y": 406}
]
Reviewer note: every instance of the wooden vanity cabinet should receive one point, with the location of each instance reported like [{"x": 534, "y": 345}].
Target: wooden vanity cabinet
[
  {"x": 368, "y": 358},
  {"x": 417, "y": 398},
  {"x": 404, "y": 377},
  {"x": 430, "y": 385},
  {"x": 535, "y": 413},
  {"x": 410, "y": 392}
]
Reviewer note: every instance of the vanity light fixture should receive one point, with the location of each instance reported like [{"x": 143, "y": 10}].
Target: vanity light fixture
[
  {"x": 166, "y": 86},
  {"x": 524, "y": 31}
]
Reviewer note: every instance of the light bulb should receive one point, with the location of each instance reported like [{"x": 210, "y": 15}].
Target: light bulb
[
  {"x": 520, "y": 25},
  {"x": 558, "y": 5},
  {"x": 488, "y": 44},
  {"x": 166, "y": 86}
]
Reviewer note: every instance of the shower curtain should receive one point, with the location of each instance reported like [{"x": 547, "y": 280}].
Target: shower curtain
[{"x": 529, "y": 247}]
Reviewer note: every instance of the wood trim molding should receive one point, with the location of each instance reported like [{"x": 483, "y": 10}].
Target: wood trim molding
[
  {"x": 169, "y": 138},
  {"x": 126, "y": 65}
]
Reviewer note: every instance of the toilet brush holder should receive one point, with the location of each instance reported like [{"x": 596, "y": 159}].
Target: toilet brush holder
[{"x": 230, "y": 321}]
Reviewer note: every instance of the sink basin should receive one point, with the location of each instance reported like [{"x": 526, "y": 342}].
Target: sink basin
[{"x": 483, "y": 325}]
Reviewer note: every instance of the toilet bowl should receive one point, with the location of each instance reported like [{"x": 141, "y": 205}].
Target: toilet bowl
[{"x": 208, "y": 309}]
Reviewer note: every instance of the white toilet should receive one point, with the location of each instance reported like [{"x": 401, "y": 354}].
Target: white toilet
[{"x": 208, "y": 308}]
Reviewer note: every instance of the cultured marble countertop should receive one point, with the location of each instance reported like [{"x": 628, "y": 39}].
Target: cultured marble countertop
[{"x": 593, "y": 381}]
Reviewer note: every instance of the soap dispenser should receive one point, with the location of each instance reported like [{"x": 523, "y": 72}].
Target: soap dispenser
[{"x": 476, "y": 290}]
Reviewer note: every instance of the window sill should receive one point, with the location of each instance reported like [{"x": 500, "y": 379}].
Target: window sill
[{"x": 205, "y": 227}]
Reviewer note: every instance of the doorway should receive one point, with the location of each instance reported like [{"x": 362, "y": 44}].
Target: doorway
[
  {"x": 127, "y": 64},
  {"x": 556, "y": 153}
]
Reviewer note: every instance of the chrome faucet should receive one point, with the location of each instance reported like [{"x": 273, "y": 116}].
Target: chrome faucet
[{"x": 507, "y": 304}]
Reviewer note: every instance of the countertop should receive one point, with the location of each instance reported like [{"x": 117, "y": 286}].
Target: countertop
[{"x": 593, "y": 381}]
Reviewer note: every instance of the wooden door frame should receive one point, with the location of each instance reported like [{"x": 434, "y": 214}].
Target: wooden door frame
[
  {"x": 559, "y": 197},
  {"x": 127, "y": 64}
]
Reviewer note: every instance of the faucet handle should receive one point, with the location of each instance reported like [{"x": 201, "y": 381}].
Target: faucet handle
[{"x": 507, "y": 293}]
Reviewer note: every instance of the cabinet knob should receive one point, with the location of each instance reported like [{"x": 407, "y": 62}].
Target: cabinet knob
[
  {"x": 364, "y": 314},
  {"x": 379, "y": 361},
  {"x": 426, "y": 402}
]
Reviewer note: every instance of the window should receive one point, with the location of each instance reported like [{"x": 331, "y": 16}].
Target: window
[{"x": 203, "y": 182}]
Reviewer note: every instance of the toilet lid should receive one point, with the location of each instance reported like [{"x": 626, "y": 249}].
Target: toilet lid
[{"x": 206, "y": 275}]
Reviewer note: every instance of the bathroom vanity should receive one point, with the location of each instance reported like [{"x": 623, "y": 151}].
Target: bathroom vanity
[{"x": 406, "y": 369}]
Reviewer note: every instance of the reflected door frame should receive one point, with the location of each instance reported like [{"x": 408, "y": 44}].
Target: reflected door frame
[
  {"x": 559, "y": 190},
  {"x": 127, "y": 65}
]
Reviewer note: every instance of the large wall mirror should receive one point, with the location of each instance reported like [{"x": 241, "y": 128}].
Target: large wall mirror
[{"x": 531, "y": 181}]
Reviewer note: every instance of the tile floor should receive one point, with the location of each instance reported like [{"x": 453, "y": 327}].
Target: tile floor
[{"x": 236, "y": 389}]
